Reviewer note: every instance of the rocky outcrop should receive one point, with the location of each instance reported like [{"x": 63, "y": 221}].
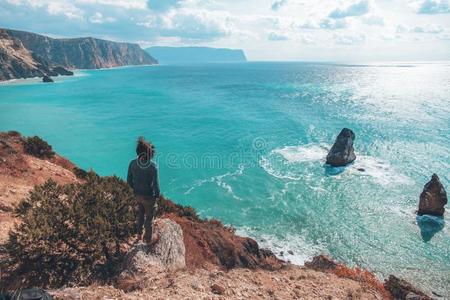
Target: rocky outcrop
[
  {"x": 433, "y": 198},
  {"x": 167, "y": 252},
  {"x": 16, "y": 61},
  {"x": 83, "y": 53},
  {"x": 342, "y": 152},
  {"x": 47, "y": 79},
  {"x": 24, "y": 55},
  {"x": 210, "y": 243},
  {"x": 62, "y": 71},
  {"x": 402, "y": 290},
  {"x": 321, "y": 263}
]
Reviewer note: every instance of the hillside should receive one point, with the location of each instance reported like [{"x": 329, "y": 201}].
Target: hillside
[
  {"x": 218, "y": 263},
  {"x": 175, "y": 55},
  {"x": 25, "y": 54}
]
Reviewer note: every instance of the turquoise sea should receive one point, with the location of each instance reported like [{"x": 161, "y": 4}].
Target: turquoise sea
[{"x": 246, "y": 143}]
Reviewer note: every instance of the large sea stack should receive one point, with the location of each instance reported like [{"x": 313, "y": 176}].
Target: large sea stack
[
  {"x": 342, "y": 152},
  {"x": 433, "y": 198}
]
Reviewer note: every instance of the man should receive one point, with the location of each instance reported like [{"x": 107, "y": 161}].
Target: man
[{"x": 143, "y": 179}]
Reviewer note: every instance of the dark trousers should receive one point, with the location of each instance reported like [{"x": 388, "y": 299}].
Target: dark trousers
[{"x": 146, "y": 209}]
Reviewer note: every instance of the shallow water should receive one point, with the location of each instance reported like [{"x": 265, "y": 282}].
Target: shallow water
[{"x": 246, "y": 143}]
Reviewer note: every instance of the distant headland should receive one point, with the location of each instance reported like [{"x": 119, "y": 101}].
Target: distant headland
[{"x": 25, "y": 54}]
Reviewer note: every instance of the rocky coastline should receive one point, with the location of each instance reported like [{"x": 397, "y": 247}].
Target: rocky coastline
[
  {"x": 194, "y": 258},
  {"x": 26, "y": 55}
]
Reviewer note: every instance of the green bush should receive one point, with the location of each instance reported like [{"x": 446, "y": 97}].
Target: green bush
[
  {"x": 80, "y": 173},
  {"x": 38, "y": 147},
  {"x": 71, "y": 234}
]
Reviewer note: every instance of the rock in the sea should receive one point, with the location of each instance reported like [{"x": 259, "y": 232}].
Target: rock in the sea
[
  {"x": 62, "y": 71},
  {"x": 167, "y": 253},
  {"x": 342, "y": 152},
  {"x": 433, "y": 198},
  {"x": 47, "y": 78},
  {"x": 403, "y": 290}
]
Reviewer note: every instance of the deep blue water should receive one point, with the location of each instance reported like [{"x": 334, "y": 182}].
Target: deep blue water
[{"x": 246, "y": 143}]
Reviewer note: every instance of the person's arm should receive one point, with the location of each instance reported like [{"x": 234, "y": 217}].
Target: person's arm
[
  {"x": 130, "y": 176},
  {"x": 155, "y": 183}
]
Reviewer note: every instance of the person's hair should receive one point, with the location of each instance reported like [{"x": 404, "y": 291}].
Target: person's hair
[{"x": 145, "y": 149}]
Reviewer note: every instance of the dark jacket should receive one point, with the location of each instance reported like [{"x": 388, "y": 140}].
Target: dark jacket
[{"x": 143, "y": 178}]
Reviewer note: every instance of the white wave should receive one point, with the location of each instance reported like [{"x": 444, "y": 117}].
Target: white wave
[
  {"x": 220, "y": 181},
  {"x": 306, "y": 153},
  {"x": 291, "y": 248},
  {"x": 382, "y": 172},
  {"x": 284, "y": 163}
]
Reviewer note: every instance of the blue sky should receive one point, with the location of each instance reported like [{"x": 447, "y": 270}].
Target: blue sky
[{"x": 322, "y": 30}]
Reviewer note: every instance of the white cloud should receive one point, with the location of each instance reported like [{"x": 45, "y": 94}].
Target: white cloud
[
  {"x": 66, "y": 9},
  {"x": 307, "y": 29},
  {"x": 374, "y": 20},
  {"x": 357, "y": 9},
  {"x": 98, "y": 18},
  {"x": 349, "y": 40},
  {"x": 278, "y": 4},
  {"x": 333, "y": 24},
  {"x": 434, "y": 7},
  {"x": 273, "y": 36}
]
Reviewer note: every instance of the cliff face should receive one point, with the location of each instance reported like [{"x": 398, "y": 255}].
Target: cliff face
[
  {"x": 24, "y": 54},
  {"x": 16, "y": 61},
  {"x": 172, "y": 55}
]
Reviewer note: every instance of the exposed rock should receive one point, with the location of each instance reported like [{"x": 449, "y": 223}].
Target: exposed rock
[
  {"x": 403, "y": 290},
  {"x": 168, "y": 251},
  {"x": 433, "y": 198},
  {"x": 83, "y": 53},
  {"x": 321, "y": 263},
  {"x": 342, "y": 152},
  {"x": 62, "y": 71},
  {"x": 47, "y": 78},
  {"x": 217, "y": 289},
  {"x": 211, "y": 243},
  {"x": 16, "y": 61},
  {"x": 25, "y": 54}
]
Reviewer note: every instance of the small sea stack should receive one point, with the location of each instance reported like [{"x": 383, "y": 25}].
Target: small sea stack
[
  {"x": 433, "y": 198},
  {"x": 47, "y": 78},
  {"x": 342, "y": 152}
]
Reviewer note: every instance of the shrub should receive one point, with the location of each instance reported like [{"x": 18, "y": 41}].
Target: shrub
[
  {"x": 166, "y": 206},
  {"x": 71, "y": 234},
  {"x": 80, "y": 173},
  {"x": 38, "y": 147}
]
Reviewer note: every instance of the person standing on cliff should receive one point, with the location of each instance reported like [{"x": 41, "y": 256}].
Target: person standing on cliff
[{"x": 143, "y": 179}]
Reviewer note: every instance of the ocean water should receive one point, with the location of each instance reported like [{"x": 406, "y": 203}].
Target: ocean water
[{"x": 246, "y": 143}]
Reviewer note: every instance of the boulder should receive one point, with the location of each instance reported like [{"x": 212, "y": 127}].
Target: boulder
[
  {"x": 47, "y": 78},
  {"x": 342, "y": 152},
  {"x": 403, "y": 290},
  {"x": 166, "y": 253},
  {"x": 321, "y": 263},
  {"x": 62, "y": 71},
  {"x": 433, "y": 198}
]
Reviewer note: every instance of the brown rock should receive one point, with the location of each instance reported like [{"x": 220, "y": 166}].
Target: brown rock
[
  {"x": 403, "y": 290},
  {"x": 321, "y": 263},
  {"x": 342, "y": 152},
  {"x": 217, "y": 289},
  {"x": 433, "y": 198}
]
